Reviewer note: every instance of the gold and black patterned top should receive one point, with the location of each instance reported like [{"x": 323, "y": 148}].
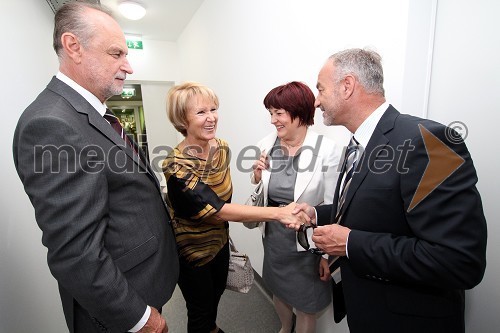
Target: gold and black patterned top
[{"x": 197, "y": 189}]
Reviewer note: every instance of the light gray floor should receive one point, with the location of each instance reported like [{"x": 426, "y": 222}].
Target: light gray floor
[{"x": 238, "y": 313}]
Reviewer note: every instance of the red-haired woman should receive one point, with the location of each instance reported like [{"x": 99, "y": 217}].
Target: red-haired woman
[{"x": 296, "y": 164}]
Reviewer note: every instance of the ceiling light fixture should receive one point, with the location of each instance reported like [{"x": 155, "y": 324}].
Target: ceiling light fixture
[{"x": 132, "y": 10}]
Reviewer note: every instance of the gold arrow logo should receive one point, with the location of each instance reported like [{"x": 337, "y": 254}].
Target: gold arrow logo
[{"x": 443, "y": 162}]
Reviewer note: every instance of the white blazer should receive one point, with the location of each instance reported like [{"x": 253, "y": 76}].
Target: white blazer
[{"x": 317, "y": 172}]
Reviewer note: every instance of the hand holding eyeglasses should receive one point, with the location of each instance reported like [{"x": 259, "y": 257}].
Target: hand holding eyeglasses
[
  {"x": 303, "y": 239},
  {"x": 331, "y": 239}
]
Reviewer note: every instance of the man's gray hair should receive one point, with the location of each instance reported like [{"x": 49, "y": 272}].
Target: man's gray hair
[
  {"x": 364, "y": 64},
  {"x": 71, "y": 18}
]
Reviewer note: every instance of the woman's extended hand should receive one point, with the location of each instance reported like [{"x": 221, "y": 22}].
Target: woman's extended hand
[
  {"x": 261, "y": 164},
  {"x": 293, "y": 219},
  {"x": 303, "y": 209}
]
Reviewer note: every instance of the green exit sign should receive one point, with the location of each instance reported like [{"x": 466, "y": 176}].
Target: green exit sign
[
  {"x": 128, "y": 92},
  {"x": 134, "y": 44}
]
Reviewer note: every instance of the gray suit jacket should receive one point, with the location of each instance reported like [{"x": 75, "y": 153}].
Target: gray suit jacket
[{"x": 110, "y": 244}]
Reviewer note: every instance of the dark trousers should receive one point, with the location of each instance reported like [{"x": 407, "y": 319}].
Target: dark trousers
[{"x": 202, "y": 288}]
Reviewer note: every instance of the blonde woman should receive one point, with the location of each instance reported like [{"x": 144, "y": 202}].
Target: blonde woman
[{"x": 199, "y": 195}]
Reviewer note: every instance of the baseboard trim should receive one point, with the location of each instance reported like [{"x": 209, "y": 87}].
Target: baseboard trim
[{"x": 259, "y": 283}]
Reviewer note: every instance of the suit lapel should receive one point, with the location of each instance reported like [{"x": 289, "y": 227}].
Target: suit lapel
[
  {"x": 369, "y": 156},
  {"x": 305, "y": 170}
]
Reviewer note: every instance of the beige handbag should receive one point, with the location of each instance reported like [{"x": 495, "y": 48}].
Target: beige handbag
[{"x": 240, "y": 275}]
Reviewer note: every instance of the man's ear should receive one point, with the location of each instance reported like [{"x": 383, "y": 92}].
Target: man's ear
[
  {"x": 348, "y": 84},
  {"x": 71, "y": 46}
]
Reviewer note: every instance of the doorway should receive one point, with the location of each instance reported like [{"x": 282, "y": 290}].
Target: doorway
[{"x": 128, "y": 108}]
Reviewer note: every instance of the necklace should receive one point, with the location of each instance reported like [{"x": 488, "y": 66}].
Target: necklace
[
  {"x": 289, "y": 146},
  {"x": 196, "y": 150}
]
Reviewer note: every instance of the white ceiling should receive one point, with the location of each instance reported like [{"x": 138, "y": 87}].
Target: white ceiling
[{"x": 165, "y": 19}]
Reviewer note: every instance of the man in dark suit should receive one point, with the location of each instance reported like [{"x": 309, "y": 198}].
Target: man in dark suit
[
  {"x": 408, "y": 227},
  {"x": 110, "y": 244}
]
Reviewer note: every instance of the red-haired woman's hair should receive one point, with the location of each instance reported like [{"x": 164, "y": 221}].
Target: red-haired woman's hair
[{"x": 296, "y": 98}]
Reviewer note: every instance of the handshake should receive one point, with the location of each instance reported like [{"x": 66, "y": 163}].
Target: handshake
[
  {"x": 295, "y": 215},
  {"x": 330, "y": 239}
]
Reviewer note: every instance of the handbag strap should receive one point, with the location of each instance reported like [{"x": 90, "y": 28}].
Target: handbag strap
[
  {"x": 231, "y": 245},
  {"x": 258, "y": 189}
]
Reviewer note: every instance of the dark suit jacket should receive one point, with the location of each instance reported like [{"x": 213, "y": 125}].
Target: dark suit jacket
[
  {"x": 407, "y": 269},
  {"x": 110, "y": 244}
]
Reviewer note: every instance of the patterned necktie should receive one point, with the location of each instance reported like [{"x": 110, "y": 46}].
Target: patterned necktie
[
  {"x": 350, "y": 162},
  {"x": 113, "y": 121},
  {"x": 350, "y": 167}
]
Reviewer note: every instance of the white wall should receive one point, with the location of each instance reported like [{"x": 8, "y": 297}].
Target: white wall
[
  {"x": 156, "y": 69},
  {"x": 156, "y": 62},
  {"x": 29, "y": 300},
  {"x": 465, "y": 87},
  {"x": 162, "y": 136},
  {"x": 418, "y": 57}
]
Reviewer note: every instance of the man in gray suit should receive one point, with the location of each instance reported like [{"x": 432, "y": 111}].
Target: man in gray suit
[{"x": 110, "y": 244}]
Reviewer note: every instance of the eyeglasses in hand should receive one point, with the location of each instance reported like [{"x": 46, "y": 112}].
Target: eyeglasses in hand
[{"x": 303, "y": 240}]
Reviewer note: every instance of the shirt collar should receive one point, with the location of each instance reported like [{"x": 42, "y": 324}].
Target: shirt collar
[
  {"x": 365, "y": 131},
  {"x": 89, "y": 97}
]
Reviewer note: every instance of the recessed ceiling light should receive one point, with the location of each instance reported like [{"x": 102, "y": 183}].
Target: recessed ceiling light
[{"x": 132, "y": 10}]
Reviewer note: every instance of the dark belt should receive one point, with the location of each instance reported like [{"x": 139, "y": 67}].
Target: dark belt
[{"x": 272, "y": 203}]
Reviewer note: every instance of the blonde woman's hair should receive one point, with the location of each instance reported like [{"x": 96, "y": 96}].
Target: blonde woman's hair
[{"x": 177, "y": 101}]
